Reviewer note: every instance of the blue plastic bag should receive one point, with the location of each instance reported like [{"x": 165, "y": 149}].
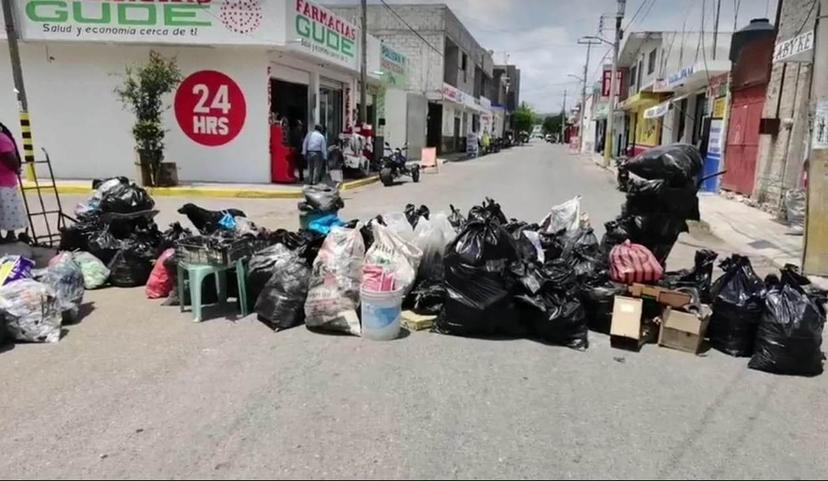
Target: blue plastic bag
[
  {"x": 227, "y": 222},
  {"x": 324, "y": 224}
]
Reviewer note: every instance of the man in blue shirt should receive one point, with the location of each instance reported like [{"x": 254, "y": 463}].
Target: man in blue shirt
[{"x": 315, "y": 151}]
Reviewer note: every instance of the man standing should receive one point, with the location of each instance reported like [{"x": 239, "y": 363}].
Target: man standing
[{"x": 315, "y": 150}]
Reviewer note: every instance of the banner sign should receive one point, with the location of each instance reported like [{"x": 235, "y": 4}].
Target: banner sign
[
  {"x": 797, "y": 49},
  {"x": 605, "y": 82},
  {"x": 394, "y": 66},
  {"x": 187, "y": 22},
  {"x": 316, "y": 30}
]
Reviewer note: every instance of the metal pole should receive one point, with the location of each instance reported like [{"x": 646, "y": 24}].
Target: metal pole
[
  {"x": 363, "y": 96},
  {"x": 583, "y": 98},
  {"x": 622, "y": 5},
  {"x": 815, "y": 254},
  {"x": 22, "y": 99},
  {"x": 563, "y": 118},
  {"x": 716, "y": 28}
]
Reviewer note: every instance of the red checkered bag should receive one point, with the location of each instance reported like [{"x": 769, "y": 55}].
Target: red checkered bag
[{"x": 633, "y": 263}]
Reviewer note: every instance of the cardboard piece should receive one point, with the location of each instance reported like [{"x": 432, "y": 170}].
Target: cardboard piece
[
  {"x": 684, "y": 331},
  {"x": 628, "y": 329},
  {"x": 662, "y": 295},
  {"x": 415, "y": 322}
]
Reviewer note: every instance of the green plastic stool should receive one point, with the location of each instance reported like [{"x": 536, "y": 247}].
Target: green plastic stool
[{"x": 196, "y": 273}]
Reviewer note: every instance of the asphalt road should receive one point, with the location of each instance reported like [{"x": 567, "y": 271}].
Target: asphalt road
[{"x": 139, "y": 391}]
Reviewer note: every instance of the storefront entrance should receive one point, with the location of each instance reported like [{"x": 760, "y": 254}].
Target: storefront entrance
[{"x": 331, "y": 108}]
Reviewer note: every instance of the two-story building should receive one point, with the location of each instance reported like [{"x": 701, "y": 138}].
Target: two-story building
[{"x": 450, "y": 74}]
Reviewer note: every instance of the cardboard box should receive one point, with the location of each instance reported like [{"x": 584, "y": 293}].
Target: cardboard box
[
  {"x": 684, "y": 331},
  {"x": 625, "y": 331},
  {"x": 644, "y": 290}
]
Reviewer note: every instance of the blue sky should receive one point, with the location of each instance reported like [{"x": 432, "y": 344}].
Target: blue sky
[{"x": 540, "y": 36}]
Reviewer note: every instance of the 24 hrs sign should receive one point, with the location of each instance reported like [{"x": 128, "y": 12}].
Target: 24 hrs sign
[{"x": 210, "y": 108}]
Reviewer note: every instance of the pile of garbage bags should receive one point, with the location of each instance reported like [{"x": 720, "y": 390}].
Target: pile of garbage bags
[{"x": 661, "y": 186}]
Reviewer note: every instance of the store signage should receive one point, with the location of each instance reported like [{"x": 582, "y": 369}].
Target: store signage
[
  {"x": 210, "y": 108},
  {"x": 606, "y": 80},
  {"x": 162, "y": 21},
  {"x": 680, "y": 77},
  {"x": 794, "y": 49},
  {"x": 317, "y": 30},
  {"x": 453, "y": 94},
  {"x": 394, "y": 66},
  {"x": 658, "y": 111}
]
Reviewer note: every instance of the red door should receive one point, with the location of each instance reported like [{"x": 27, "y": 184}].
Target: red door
[{"x": 743, "y": 139}]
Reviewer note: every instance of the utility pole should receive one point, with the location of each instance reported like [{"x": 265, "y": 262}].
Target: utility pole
[
  {"x": 608, "y": 147},
  {"x": 363, "y": 96},
  {"x": 716, "y": 28},
  {"x": 815, "y": 255},
  {"x": 589, "y": 42},
  {"x": 563, "y": 117},
  {"x": 22, "y": 99}
]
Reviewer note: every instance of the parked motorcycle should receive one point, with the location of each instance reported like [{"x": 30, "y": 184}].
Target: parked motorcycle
[{"x": 394, "y": 165}]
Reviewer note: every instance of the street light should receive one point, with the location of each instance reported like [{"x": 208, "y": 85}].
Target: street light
[{"x": 589, "y": 40}]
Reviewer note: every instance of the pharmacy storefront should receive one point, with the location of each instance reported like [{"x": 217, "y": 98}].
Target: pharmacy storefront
[{"x": 247, "y": 65}]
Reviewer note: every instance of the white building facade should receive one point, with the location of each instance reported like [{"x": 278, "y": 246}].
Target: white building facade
[{"x": 243, "y": 62}]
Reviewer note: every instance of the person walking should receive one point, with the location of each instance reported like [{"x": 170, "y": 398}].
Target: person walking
[
  {"x": 12, "y": 210},
  {"x": 315, "y": 150}
]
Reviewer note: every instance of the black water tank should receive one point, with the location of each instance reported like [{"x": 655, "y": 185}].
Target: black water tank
[{"x": 758, "y": 28}]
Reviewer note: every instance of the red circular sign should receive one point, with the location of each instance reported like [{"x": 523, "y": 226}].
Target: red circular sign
[{"x": 210, "y": 108}]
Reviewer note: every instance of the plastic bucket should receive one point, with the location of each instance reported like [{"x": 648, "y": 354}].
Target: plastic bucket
[{"x": 381, "y": 313}]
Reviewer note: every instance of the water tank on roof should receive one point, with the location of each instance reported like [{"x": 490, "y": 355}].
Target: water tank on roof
[{"x": 758, "y": 28}]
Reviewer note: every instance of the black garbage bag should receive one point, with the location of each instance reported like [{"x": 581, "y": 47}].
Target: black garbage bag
[
  {"x": 789, "y": 337},
  {"x": 556, "y": 319},
  {"x": 478, "y": 283},
  {"x": 427, "y": 297},
  {"x": 132, "y": 264},
  {"x": 261, "y": 268},
  {"x": 699, "y": 278},
  {"x": 738, "y": 301},
  {"x": 126, "y": 198},
  {"x": 598, "y": 302},
  {"x": 171, "y": 236},
  {"x": 281, "y": 302},
  {"x": 489, "y": 209},
  {"x": 76, "y": 237},
  {"x": 639, "y": 186},
  {"x": 413, "y": 214},
  {"x": 679, "y": 202},
  {"x": 616, "y": 232},
  {"x": 323, "y": 197},
  {"x": 790, "y": 274},
  {"x": 103, "y": 245},
  {"x": 678, "y": 164}
]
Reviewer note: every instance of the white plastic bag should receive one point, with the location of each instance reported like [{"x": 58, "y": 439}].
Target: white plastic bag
[
  {"x": 565, "y": 217},
  {"x": 432, "y": 236},
  {"x": 31, "y": 311},
  {"x": 396, "y": 255},
  {"x": 333, "y": 294},
  {"x": 398, "y": 223}
]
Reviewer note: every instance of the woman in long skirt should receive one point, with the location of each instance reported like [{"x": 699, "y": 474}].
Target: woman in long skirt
[{"x": 12, "y": 211}]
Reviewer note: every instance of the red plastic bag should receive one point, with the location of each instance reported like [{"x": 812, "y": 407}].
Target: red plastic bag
[
  {"x": 162, "y": 278},
  {"x": 631, "y": 263}
]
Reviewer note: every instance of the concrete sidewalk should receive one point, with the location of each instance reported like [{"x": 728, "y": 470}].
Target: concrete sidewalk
[
  {"x": 208, "y": 189},
  {"x": 753, "y": 231}
]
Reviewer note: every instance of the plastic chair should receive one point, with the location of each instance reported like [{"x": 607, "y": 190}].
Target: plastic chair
[{"x": 196, "y": 273}]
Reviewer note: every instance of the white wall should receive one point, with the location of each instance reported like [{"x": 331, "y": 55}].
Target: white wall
[
  {"x": 87, "y": 131},
  {"x": 417, "y": 107},
  {"x": 8, "y": 100}
]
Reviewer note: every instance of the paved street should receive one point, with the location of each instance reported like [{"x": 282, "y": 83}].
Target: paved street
[{"x": 137, "y": 390}]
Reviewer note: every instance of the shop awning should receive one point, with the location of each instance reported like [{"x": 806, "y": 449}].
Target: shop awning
[
  {"x": 641, "y": 100},
  {"x": 658, "y": 111}
]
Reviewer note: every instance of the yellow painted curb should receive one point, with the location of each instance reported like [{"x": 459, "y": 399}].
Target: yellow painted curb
[{"x": 214, "y": 192}]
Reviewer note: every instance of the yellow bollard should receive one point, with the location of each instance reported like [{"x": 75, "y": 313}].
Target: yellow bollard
[{"x": 28, "y": 146}]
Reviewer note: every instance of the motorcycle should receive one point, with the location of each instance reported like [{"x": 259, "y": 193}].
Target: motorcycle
[{"x": 394, "y": 166}]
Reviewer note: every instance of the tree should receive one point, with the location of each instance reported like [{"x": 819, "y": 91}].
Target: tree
[
  {"x": 143, "y": 93},
  {"x": 552, "y": 124},
  {"x": 524, "y": 118}
]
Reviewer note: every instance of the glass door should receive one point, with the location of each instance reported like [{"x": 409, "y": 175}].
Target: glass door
[{"x": 331, "y": 111}]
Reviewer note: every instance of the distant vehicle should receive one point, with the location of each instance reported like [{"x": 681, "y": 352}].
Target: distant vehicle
[{"x": 395, "y": 165}]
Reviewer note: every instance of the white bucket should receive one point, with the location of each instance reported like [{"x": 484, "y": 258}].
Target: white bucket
[{"x": 381, "y": 313}]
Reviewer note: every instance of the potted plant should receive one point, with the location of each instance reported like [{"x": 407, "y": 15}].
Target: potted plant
[{"x": 143, "y": 93}]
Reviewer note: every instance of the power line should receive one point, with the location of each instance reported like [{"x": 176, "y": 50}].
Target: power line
[
  {"x": 394, "y": 12},
  {"x": 635, "y": 15}
]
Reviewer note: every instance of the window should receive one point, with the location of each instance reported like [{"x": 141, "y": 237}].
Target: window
[
  {"x": 651, "y": 62},
  {"x": 640, "y": 72},
  {"x": 633, "y": 78},
  {"x": 464, "y": 66}
]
